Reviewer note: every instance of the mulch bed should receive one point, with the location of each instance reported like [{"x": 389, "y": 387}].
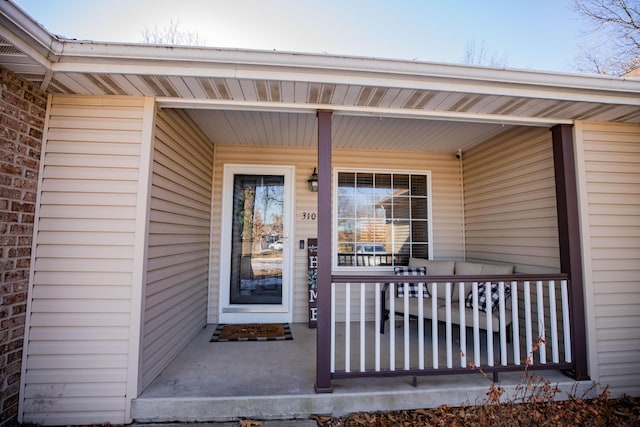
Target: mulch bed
[{"x": 576, "y": 412}]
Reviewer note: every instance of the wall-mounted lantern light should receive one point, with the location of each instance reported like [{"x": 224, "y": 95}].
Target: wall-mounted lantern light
[{"x": 313, "y": 181}]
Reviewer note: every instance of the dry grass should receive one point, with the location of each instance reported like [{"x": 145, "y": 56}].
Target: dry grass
[{"x": 533, "y": 404}]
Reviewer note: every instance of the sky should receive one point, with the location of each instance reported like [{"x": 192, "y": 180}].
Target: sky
[{"x": 521, "y": 34}]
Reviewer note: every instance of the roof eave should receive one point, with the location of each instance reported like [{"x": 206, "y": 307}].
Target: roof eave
[{"x": 135, "y": 53}]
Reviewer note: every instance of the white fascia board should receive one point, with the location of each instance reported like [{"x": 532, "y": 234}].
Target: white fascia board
[
  {"x": 282, "y": 107},
  {"x": 193, "y": 56}
]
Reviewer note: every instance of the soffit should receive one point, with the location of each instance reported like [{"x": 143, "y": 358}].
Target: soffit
[
  {"x": 348, "y": 131},
  {"x": 352, "y": 98},
  {"x": 16, "y": 61}
]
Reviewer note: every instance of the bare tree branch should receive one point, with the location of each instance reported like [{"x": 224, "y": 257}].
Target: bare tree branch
[
  {"x": 172, "y": 35},
  {"x": 618, "y": 23},
  {"x": 478, "y": 54}
]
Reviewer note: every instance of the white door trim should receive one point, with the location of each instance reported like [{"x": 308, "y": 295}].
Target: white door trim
[{"x": 262, "y": 313}]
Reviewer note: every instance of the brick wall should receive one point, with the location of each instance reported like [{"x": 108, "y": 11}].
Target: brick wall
[{"x": 22, "y": 112}]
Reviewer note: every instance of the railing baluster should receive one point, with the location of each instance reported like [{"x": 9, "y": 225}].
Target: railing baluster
[
  {"x": 503, "y": 326},
  {"x": 378, "y": 315},
  {"x": 489, "y": 320},
  {"x": 362, "y": 327},
  {"x": 447, "y": 299},
  {"x": 463, "y": 325},
  {"x": 333, "y": 328},
  {"x": 527, "y": 320},
  {"x": 566, "y": 326},
  {"x": 434, "y": 324},
  {"x": 347, "y": 327},
  {"x": 515, "y": 323},
  {"x": 476, "y": 325},
  {"x": 420, "y": 327},
  {"x": 407, "y": 364},
  {"x": 541, "y": 324},
  {"x": 392, "y": 327},
  {"x": 555, "y": 356}
]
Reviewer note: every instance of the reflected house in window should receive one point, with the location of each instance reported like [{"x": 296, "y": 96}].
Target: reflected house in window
[{"x": 382, "y": 218}]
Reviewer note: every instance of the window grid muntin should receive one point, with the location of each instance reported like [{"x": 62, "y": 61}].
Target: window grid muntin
[{"x": 360, "y": 184}]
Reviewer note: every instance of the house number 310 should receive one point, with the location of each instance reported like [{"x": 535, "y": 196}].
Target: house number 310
[{"x": 309, "y": 216}]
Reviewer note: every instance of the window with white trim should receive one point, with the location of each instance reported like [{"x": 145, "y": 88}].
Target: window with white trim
[{"x": 381, "y": 218}]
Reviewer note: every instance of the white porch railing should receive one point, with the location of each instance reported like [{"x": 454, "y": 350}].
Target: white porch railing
[{"x": 373, "y": 333}]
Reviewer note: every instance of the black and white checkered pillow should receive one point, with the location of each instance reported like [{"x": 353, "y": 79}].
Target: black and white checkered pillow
[
  {"x": 494, "y": 294},
  {"x": 412, "y": 288}
]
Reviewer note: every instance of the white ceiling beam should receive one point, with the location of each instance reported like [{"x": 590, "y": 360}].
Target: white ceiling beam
[{"x": 357, "y": 111}]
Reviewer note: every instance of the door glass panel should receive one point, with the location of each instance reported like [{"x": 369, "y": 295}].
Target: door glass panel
[{"x": 257, "y": 243}]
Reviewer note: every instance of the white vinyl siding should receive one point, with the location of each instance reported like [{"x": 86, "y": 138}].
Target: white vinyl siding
[
  {"x": 179, "y": 233},
  {"x": 611, "y": 170},
  {"x": 78, "y": 337},
  {"x": 510, "y": 202},
  {"x": 446, "y": 193}
]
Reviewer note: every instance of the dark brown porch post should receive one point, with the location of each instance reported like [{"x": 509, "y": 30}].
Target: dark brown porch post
[
  {"x": 569, "y": 236},
  {"x": 323, "y": 358}
]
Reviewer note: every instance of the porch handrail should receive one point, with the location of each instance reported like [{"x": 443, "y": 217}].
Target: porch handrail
[
  {"x": 528, "y": 286},
  {"x": 386, "y": 278}
]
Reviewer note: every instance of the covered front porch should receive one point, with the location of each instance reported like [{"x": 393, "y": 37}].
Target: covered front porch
[
  {"x": 275, "y": 380},
  {"x": 520, "y": 215}
]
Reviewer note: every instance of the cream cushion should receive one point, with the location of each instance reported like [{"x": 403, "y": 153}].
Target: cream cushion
[
  {"x": 468, "y": 268},
  {"x": 434, "y": 268},
  {"x": 468, "y": 316},
  {"x": 497, "y": 269}
]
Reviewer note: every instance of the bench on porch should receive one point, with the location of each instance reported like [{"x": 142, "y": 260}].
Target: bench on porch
[{"x": 445, "y": 268}]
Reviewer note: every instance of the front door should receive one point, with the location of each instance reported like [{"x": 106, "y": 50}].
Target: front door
[{"x": 255, "y": 265}]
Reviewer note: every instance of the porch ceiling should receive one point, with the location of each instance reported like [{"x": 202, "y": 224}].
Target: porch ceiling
[
  {"x": 357, "y": 132},
  {"x": 262, "y": 97}
]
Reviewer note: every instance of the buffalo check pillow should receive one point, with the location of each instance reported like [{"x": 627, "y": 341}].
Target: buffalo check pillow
[
  {"x": 413, "y": 289},
  {"x": 483, "y": 294}
]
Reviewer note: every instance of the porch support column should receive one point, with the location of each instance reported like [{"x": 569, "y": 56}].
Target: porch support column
[
  {"x": 323, "y": 348},
  {"x": 569, "y": 237}
]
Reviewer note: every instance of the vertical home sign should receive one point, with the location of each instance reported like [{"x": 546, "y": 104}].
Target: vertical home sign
[{"x": 312, "y": 281}]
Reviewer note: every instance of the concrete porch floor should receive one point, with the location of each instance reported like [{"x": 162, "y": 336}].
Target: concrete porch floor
[{"x": 225, "y": 381}]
